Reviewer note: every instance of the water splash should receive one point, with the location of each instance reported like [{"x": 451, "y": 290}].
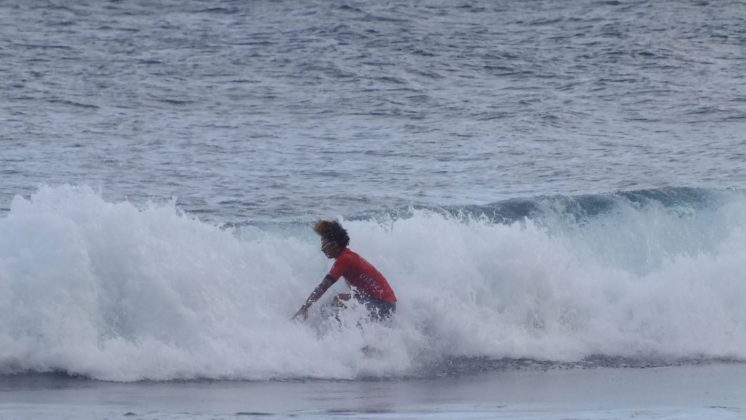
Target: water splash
[{"x": 112, "y": 291}]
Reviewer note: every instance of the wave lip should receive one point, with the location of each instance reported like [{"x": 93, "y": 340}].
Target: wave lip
[{"x": 584, "y": 206}]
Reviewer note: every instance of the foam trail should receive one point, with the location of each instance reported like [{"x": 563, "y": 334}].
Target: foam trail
[{"x": 112, "y": 291}]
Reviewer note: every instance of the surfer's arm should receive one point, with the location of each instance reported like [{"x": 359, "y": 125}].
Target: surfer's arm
[{"x": 315, "y": 295}]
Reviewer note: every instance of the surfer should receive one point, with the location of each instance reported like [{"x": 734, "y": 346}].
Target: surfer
[{"x": 368, "y": 286}]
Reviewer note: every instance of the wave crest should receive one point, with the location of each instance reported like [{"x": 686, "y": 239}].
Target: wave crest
[{"x": 113, "y": 291}]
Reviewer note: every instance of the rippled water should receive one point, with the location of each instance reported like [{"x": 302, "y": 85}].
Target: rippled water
[
  {"x": 263, "y": 110},
  {"x": 566, "y": 180}
]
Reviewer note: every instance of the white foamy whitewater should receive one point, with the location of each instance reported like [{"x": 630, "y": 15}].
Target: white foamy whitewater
[{"x": 110, "y": 290}]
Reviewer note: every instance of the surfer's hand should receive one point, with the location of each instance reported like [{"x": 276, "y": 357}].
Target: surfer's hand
[{"x": 302, "y": 313}]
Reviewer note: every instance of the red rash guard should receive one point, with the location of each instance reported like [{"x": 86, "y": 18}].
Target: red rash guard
[{"x": 361, "y": 275}]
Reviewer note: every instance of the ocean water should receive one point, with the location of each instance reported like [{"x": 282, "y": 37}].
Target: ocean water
[{"x": 548, "y": 186}]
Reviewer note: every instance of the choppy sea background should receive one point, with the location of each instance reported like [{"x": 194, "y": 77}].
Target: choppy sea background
[{"x": 555, "y": 190}]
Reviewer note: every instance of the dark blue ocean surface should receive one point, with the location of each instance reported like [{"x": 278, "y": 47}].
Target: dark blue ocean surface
[{"x": 284, "y": 111}]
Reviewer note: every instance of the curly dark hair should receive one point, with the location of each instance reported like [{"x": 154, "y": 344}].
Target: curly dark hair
[{"x": 332, "y": 231}]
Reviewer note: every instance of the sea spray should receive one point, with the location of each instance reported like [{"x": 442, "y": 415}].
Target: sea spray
[{"x": 116, "y": 291}]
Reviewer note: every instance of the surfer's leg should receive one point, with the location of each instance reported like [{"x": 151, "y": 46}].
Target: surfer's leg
[
  {"x": 379, "y": 310},
  {"x": 386, "y": 310}
]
